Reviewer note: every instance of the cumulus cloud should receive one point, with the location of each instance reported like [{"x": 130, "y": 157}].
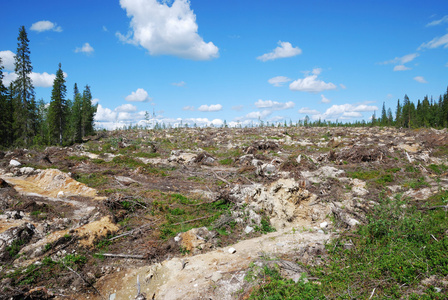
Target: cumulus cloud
[
  {"x": 140, "y": 95},
  {"x": 209, "y": 108},
  {"x": 8, "y": 58},
  {"x": 42, "y": 79},
  {"x": 39, "y": 79},
  {"x": 311, "y": 84},
  {"x": 190, "y": 108},
  {"x": 237, "y": 107},
  {"x": 258, "y": 114},
  {"x": 436, "y": 42},
  {"x": 126, "y": 108},
  {"x": 420, "y": 79},
  {"x": 179, "y": 84},
  {"x": 105, "y": 114},
  {"x": 279, "y": 80},
  {"x": 274, "y": 105},
  {"x": 86, "y": 48},
  {"x": 166, "y": 30},
  {"x": 42, "y": 26},
  {"x": 324, "y": 100},
  {"x": 308, "y": 111},
  {"x": 444, "y": 19},
  {"x": 285, "y": 49},
  {"x": 345, "y": 111}
]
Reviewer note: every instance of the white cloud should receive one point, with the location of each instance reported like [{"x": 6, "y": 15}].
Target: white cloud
[
  {"x": 345, "y": 111},
  {"x": 324, "y": 99},
  {"x": 39, "y": 79},
  {"x": 284, "y": 50},
  {"x": 436, "y": 42},
  {"x": 444, "y": 19},
  {"x": 42, "y": 79},
  {"x": 8, "y": 58},
  {"x": 209, "y": 108},
  {"x": 105, "y": 29},
  {"x": 274, "y": 105},
  {"x": 279, "y": 80},
  {"x": 401, "y": 60},
  {"x": 126, "y": 108},
  {"x": 420, "y": 79},
  {"x": 190, "y": 108},
  {"x": 105, "y": 114},
  {"x": 179, "y": 84},
  {"x": 258, "y": 114},
  {"x": 308, "y": 111},
  {"x": 311, "y": 84},
  {"x": 401, "y": 68},
  {"x": 166, "y": 30},
  {"x": 95, "y": 101},
  {"x": 45, "y": 26},
  {"x": 140, "y": 95},
  {"x": 8, "y": 78},
  {"x": 342, "y": 86},
  {"x": 237, "y": 107},
  {"x": 86, "y": 48}
]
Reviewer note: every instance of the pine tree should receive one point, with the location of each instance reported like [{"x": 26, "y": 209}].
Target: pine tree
[
  {"x": 57, "y": 114},
  {"x": 25, "y": 110}
]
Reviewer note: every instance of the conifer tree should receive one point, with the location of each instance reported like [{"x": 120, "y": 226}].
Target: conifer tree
[
  {"x": 88, "y": 112},
  {"x": 57, "y": 114},
  {"x": 76, "y": 116},
  {"x": 5, "y": 111},
  {"x": 24, "y": 103}
]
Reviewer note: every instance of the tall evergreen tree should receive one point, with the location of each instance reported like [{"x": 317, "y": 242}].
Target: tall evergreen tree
[
  {"x": 88, "y": 112},
  {"x": 57, "y": 114},
  {"x": 398, "y": 117},
  {"x": 25, "y": 105},
  {"x": 76, "y": 116},
  {"x": 384, "y": 115},
  {"x": 5, "y": 111}
]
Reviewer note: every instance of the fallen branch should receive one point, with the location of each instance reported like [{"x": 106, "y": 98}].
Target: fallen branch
[
  {"x": 82, "y": 278},
  {"x": 122, "y": 255},
  {"x": 220, "y": 178},
  {"x": 129, "y": 232}
]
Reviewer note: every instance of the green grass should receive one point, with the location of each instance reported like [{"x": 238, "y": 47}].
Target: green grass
[
  {"x": 226, "y": 161},
  {"x": 147, "y": 155},
  {"x": 399, "y": 247}
]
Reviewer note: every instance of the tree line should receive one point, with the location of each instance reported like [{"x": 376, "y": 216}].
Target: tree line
[
  {"x": 25, "y": 122},
  {"x": 426, "y": 113}
]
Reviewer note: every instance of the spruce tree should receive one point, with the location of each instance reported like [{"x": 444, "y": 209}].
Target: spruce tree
[
  {"x": 5, "y": 111},
  {"x": 88, "y": 112},
  {"x": 25, "y": 109},
  {"x": 76, "y": 116},
  {"x": 57, "y": 114}
]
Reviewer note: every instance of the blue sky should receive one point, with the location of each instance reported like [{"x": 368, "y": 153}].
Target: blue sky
[{"x": 240, "y": 61}]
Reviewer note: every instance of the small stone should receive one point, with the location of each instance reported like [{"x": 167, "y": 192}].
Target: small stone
[
  {"x": 14, "y": 163},
  {"x": 324, "y": 225},
  {"x": 216, "y": 276},
  {"x": 232, "y": 250},
  {"x": 112, "y": 297},
  {"x": 248, "y": 229},
  {"x": 438, "y": 290},
  {"x": 280, "y": 244},
  {"x": 61, "y": 194},
  {"x": 320, "y": 231}
]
